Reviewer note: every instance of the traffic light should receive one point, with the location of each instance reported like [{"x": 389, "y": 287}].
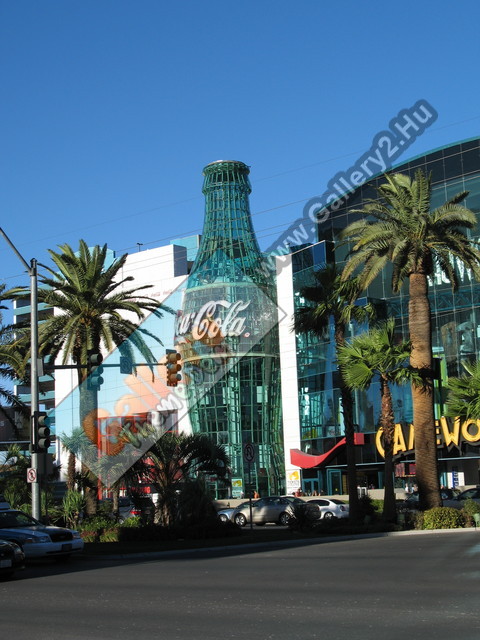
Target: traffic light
[
  {"x": 173, "y": 367},
  {"x": 41, "y": 425},
  {"x": 94, "y": 370}
]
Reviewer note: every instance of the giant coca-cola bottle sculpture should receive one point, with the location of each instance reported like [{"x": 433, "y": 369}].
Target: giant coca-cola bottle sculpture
[{"x": 227, "y": 334}]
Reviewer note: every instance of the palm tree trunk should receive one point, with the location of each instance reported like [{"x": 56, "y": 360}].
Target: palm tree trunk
[
  {"x": 347, "y": 407},
  {"x": 71, "y": 471},
  {"x": 115, "y": 501},
  {"x": 387, "y": 422},
  {"x": 422, "y": 396},
  {"x": 88, "y": 407}
]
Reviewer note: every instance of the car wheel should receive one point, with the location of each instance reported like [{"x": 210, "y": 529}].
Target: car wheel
[
  {"x": 328, "y": 515},
  {"x": 240, "y": 519},
  {"x": 284, "y": 519},
  {"x": 223, "y": 517}
]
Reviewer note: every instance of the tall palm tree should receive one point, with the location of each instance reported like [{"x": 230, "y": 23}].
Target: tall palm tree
[
  {"x": 400, "y": 229},
  {"x": 175, "y": 461},
  {"x": 91, "y": 304},
  {"x": 93, "y": 310},
  {"x": 12, "y": 368},
  {"x": 332, "y": 299},
  {"x": 366, "y": 356},
  {"x": 13, "y": 361},
  {"x": 463, "y": 398}
]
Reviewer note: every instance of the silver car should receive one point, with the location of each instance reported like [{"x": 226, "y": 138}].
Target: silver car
[
  {"x": 226, "y": 514},
  {"x": 274, "y": 509}
]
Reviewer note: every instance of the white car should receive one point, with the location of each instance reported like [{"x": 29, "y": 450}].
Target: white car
[
  {"x": 36, "y": 539},
  {"x": 329, "y": 508}
]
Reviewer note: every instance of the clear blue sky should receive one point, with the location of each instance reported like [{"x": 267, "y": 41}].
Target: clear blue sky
[{"x": 111, "y": 108}]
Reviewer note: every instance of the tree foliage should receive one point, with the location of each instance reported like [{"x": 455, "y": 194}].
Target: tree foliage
[
  {"x": 332, "y": 300},
  {"x": 378, "y": 354},
  {"x": 175, "y": 462},
  {"x": 463, "y": 399},
  {"x": 398, "y": 228}
]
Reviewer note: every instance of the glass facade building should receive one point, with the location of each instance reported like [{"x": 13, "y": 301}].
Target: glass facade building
[
  {"x": 227, "y": 335},
  {"x": 456, "y": 338}
]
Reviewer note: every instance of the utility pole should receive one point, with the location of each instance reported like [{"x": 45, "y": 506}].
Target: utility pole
[{"x": 32, "y": 272}]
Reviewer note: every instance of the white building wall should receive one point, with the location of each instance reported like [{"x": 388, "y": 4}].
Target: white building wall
[
  {"x": 166, "y": 269},
  {"x": 288, "y": 368}
]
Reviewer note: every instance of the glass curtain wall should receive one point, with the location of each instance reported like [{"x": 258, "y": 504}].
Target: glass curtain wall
[{"x": 232, "y": 370}]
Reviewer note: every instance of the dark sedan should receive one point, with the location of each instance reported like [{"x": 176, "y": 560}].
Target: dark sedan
[{"x": 11, "y": 558}]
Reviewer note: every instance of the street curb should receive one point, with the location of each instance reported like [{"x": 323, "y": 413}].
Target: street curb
[{"x": 258, "y": 546}]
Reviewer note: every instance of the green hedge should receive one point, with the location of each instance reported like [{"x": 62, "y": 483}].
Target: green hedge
[{"x": 443, "y": 518}]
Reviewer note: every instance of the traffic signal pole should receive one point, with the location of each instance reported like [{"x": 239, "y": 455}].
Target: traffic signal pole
[
  {"x": 32, "y": 272},
  {"x": 36, "y": 507}
]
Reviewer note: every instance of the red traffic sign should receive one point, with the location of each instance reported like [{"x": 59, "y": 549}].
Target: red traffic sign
[{"x": 31, "y": 474}]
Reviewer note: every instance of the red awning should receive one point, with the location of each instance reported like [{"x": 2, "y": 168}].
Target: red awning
[{"x": 307, "y": 461}]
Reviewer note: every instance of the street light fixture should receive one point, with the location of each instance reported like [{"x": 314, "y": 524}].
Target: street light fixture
[{"x": 32, "y": 272}]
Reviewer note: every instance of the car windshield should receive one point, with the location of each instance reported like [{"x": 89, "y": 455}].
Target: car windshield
[{"x": 12, "y": 519}]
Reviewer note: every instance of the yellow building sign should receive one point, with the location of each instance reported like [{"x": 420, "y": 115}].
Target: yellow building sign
[{"x": 449, "y": 434}]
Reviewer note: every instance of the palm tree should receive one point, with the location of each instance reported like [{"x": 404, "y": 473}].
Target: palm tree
[
  {"x": 93, "y": 311},
  {"x": 13, "y": 472},
  {"x": 76, "y": 444},
  {"x": 400, "y": 229},
  {"x": 463, "y": 399},
  {"x": 177, "y": 461},
  {"x": 12, "y": 367},
  {"x": 366, "y": 356},
  {"x": 331, "y": 299},
  {"x": 12, "y": 360},
  {"x": 90, "y": 299}
]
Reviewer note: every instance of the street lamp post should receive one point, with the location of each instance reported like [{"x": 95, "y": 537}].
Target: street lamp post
[{"x": 32, "y": 272}]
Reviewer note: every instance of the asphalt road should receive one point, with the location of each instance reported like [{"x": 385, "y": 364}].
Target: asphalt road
[{"x": 404, "y": 587}]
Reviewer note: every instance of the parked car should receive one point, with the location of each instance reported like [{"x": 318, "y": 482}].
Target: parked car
[
  {"x": 128, "y": 507},
  {"x": 36, "y": 539},
  {"x": 274, "y": 509},
  {"x": 11, "y": 558},
  {"x": 457, "y": 500},
  {"x": 143, "y": 507},
  {"x": 329, "y": 508},
  {"x": 226, "y": 514},
  {"x": 295, "y": 500},
  {"x": 449, "y": 498}
]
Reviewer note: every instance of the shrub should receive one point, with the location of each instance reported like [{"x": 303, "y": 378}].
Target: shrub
[
  {"x": 470, "y": 507},
  {"x": 302, "y": 518},
  {"x": 377, "y": 505},
  {"x": 209, "y": 529},
  {"x": 443, "y": 518},
  {"x": 366, "y": 509},
  {"x": 417, "y": 518},
  {"x": 73, "y": 505},
  {"x": 143, "y": 533},
  {"x": 92, "y": 529},
  {"x": 134, "y": 521},
  {"x": 110, "y": 535}
]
